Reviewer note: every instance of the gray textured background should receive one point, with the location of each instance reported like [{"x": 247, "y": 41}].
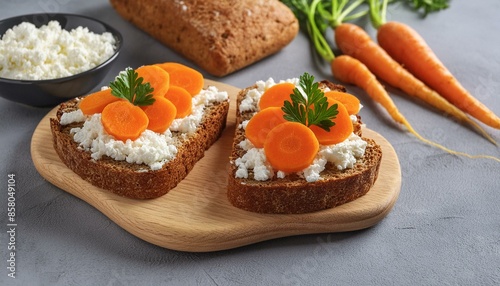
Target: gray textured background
[{"x": 443, "y": 230}]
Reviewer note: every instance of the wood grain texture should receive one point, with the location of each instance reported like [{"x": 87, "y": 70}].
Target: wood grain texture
[{"x": 196, "y": 216}]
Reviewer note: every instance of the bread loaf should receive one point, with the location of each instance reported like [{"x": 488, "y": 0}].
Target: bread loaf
[
  {"x": 219, "y": 36},
  {"x": 132, "y": 180},
  {"x": 293, "y": 194}
]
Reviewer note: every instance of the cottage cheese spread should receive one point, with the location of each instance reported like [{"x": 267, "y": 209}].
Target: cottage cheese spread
[
  {"x": 342, "y": 155},
  {"x": 49, "y": 52},
  {"x": 152, "y": 149}
]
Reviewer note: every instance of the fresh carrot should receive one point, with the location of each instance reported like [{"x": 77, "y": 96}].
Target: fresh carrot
[
  {"x": 95, "y": 102},
  {"x": 314, "y": 17},
  {"x": 340, "y": 131},
  {"x": 350, "y": 101},
  {"x": 355, "y": 42},
  {"x": 276, "y": 95},
  {"x": 350, "y": 70},
  {"x": 261, "y": 123},
  {"x": 123, "y": 120},
  {"x": 158, "y": 78},
  {"x": 408, "y": 48},
  {"x": 182, "y": 100},
  {"x": 291, "y": 147},
  {"x": 184, "y": 76},
  {"x": 160, "y": 114}
]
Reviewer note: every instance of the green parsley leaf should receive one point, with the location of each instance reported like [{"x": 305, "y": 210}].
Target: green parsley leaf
[
  {"x": 309, "y": 105},
  {"x": 129, "y": 86}
]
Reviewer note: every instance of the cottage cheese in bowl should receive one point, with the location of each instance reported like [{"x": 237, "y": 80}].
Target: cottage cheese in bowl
[
  {"x": 50, "y": 52},
  {"x": 46, "y": 59}
]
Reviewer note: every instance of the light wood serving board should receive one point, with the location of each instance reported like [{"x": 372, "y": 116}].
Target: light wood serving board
[{"x": 196, "y": 215}]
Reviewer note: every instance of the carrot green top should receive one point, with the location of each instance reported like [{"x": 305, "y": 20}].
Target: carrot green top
[
  {"x": 315, "y": 16},
  {"x": 378, "y": 9}
]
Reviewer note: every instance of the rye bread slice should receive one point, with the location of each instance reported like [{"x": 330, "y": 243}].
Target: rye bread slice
[
  {"x": 293, "y": 194},
  {"x": 221, "y": 37},
  {"x": 137, "y": 181}
]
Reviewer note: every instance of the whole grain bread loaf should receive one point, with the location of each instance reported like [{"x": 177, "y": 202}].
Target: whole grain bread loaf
[
  {"x": 219, "y": 36},
  {"x": 293, "y": 194},
  {"x": 129, "y": 179}
]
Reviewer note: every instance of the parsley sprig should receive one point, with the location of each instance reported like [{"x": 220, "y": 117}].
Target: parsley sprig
[
  {"x": 128, "y": 85},
  {"x": 309, "y": 105}
]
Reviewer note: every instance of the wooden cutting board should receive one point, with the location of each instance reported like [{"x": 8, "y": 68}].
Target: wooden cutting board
[{"x": 196, "y": 215}]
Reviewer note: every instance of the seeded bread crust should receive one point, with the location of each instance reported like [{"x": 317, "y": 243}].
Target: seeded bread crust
[
  {"x": 293, "y": 194},
  {"x": 137, "y": 181},
  {"x": 219, "y": 36}
]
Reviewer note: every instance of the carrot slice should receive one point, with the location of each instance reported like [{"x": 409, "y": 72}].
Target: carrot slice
[
  {"x": 350, "y": 101},
  {"x": 340, "y": 131},
  {"x": 161, "y": 114},
  {"x": 291, "y": 147},
  {"x": 184, "y": 76},
  {"x": 158, "y": 78},
  {"x": 182, "y": 100},
  {"x": 261, "y": 123},
  {"x": 95, "y": 102},
  {"x": 123, "y": 120},
  {"x": 276, "y": 95}
]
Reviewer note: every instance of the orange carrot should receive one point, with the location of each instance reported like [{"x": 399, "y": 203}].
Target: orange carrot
[
  {"x": 355, "y": 42},
  {"x": 407, "y": 47},
  {"x": 340, "y": 131},
  {"x": 160, "y": 114},
  {"x": 276, "y": 95},
  {"x": 350, "y": 101},
  {"x": 261, "y": 123},
  {"x": 158, "y": 78},
  {"x": 95, "y": 102},
  {"x": 291, "y": 147},
  {"x": 182, "y": 100},
  {"x": 352, "y": 71},
  {"x": 123, "y": 120},
  {"x": 184, "y": 76}
]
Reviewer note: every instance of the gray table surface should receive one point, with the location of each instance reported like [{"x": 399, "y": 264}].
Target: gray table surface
[{"x": 443, "y": 230}]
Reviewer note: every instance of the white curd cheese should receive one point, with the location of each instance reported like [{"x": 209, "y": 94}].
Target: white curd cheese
[
  {"x": 243, "y": 125},
  {"x": 254, "y": 159},
  {"x": 342, "y": 155},
  {"x": 206, "y": 97},
  {"x": 312, "y": 173},
  {"x": 73, "y": 116},
  {"x": 49, "y": 52},
  {"x": 151, "y": 148}
]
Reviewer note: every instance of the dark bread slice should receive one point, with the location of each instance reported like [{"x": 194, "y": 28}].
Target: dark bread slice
[
  {"x": 132, "y": 180},
  {"x": 221, "y": 37},
  {"x": 293, "y": 194}
]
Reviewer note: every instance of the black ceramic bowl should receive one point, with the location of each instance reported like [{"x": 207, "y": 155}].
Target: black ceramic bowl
[{"x": 43, "y": 93}]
